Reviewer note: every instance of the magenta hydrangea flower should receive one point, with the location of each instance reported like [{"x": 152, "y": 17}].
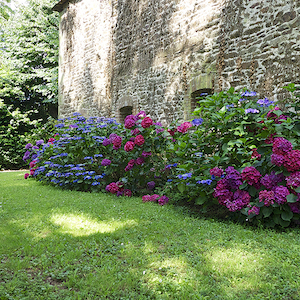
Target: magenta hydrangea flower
[
  {"x": 163, "y": 200},
  {"x": 146, "y": 122},
  {"x": 105, "y": 162},
  {"x": 129, "y": 121},
  {"x": 26, "y": 175},
  {"x": 129, "y": 146},
  {"x": 106, "y": 142},
  {"x": 135, "y": 131},
  {"x": 295, "y": 207},
  {"x": 139, "y": 161},
  {"x": 139, "y": 140},
  {"x": 113, "y": 188},
  {"x": 281, "y": 146},
  {"x": 154, "y": 197},
  {"x": 233, "y": 178},
  {"x": 271, "y": 180},
  {"x": 218, "y": 172},
  {"x": 127, "y": 193},
  {"x": 184, "y": 127},
  {"x": 267, "y": 197},
  {"x": 251, "y": 176},
  {"x": 255, "y": 154},
  {"x": 239, "y": 200},
  {"x": 280, "y": 194},
  {"x": 145, "y": 154},
  {"x": 293, "y": 180},
  {"x": 146, "y": 198},
  {"x": 254, "y": 210},
  {"x": 292, "y": 161},
  {"x": 117, "y": 142},
  {"x": 277, "y": 160}
]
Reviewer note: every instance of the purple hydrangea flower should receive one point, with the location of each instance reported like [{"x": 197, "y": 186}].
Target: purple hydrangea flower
[
  {"x": 151, "y": 185},
  {"x": 105, "y": 162},
  {"x": 39, "y": 142},
  {"x": 28, "y": 146}
]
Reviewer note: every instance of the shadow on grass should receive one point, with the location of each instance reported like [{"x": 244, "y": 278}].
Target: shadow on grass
[{"x": 102, "y": 247}]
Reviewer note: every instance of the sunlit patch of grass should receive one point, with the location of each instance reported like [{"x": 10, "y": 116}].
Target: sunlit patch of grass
[
  {"x": 82, "y": 225},
  {"x": 63, "y": 244},
  {"x": 240, "y": 267}
]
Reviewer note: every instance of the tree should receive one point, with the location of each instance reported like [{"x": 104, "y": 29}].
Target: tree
[
  {"x": 29, "y": 58},
  {"x": 5, "y": 10}
]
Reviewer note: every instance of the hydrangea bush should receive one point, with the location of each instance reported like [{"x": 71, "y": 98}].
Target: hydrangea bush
[{"x": 239, "y": 152}]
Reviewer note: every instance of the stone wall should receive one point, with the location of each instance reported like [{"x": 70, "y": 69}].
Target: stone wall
[{"x": 119, "y": 56}]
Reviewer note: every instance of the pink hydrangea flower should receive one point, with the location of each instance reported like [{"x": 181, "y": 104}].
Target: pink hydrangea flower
[
  {"x": 129, "y": 146},
  {"x": 139, "y": 140},
  {"x": 184, "y": 127},
  {"x": 147, "y": 122},
  {"x": 216, "y": 172},
  {"x": 292, "y": 161},
  {"x": 251, "y": 176},
  {"x": 146, "y": 198},
  {"x": 281, "y": 146},
  {"x": 26, "y": 175},
  {"x": 267, "y": 197}
]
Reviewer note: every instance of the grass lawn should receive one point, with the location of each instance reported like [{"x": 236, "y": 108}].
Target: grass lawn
[{"x": 71, "y": 245}]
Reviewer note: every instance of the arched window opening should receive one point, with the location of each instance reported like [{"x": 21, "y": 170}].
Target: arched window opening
[
  {"x": 124, "y": 112},
  {"x": 197, "y": 96}
]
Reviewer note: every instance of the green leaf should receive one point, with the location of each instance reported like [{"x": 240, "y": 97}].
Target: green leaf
[
  {"x": 287, "y": 215},
  {"x": 252, "y": 191},
  {"x": 297, "y": 190},
  {"x": 291, "y": 198},
  {"x": 181, "y": 187},
  {"x": 284, "y": 223},
  {"x": 267, "y": 211},
  {"x": 201, "y": 200}
]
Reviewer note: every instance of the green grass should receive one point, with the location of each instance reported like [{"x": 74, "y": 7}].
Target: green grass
[{"x": 71, "y": 245}]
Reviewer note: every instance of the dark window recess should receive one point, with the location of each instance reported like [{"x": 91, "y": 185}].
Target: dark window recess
[
  {"x": 124, "y": 112},
  {"x": 198, "y": 95}
]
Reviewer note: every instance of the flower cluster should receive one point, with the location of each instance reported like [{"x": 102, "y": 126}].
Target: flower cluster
[
  {"x": 118, "y": 189},
  {"x": 228, "y": 193},
  {"x": 156, "y": 198}
]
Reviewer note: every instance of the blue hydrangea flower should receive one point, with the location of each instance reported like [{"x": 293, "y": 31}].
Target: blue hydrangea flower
[
  {"x": 251, "y": 110},
  {"x": 248, "y": 94},
  {"x": 264, "y": 102},
  {"x": 197, "y": 122}
]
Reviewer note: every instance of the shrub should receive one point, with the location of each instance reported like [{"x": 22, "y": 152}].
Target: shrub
[
  {"x": 239, "y": 152},
  {"x": 15, "y": 131}
]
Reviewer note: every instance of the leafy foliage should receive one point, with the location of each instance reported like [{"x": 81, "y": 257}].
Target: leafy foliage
[
  {"x": 29, "y": 59},
  {"x": 239, "y": 152},
  {"x": 15, "y": 129}
]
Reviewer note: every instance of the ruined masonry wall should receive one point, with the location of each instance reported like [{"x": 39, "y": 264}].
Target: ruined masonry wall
[{"x": 152, "y": 55}]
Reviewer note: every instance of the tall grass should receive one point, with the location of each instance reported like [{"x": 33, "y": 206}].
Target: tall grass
[{"x": 58, "y": 244}]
